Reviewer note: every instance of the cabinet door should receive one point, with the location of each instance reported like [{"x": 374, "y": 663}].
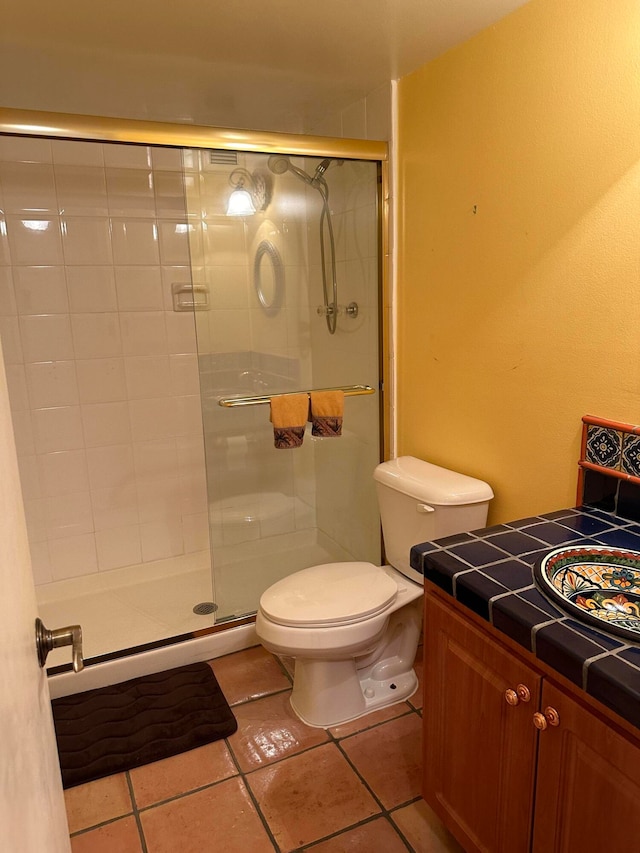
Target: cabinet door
[
  {"x": 479, "y": 751},
  {"x": 588, "y": 789}
]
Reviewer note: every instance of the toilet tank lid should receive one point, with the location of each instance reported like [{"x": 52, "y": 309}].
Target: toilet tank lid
[{"x": 431, "y": 483}]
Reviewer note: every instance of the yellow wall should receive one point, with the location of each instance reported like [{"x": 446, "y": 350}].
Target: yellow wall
[{"x": 519, "y": 247}]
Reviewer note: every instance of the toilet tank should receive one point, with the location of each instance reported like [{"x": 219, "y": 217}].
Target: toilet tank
[{"x": 420, "y": 502}]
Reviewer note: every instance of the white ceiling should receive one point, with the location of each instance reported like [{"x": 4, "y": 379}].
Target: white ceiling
[{"x": 266, "y": 64}]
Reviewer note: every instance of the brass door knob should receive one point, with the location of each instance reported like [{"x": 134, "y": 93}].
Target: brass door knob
[
  {"x": 69, "y": 636},
  {"x": 511, "y": 697},
  {"x": 539, "y": 721}
]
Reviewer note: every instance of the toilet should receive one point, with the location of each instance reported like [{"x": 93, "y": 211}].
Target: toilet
[{"x": 353, "y": 628}]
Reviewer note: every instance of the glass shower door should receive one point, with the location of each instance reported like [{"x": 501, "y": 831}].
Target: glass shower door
[
  {"x": 263, "y": 329},
  {"x": 104, "y": 388}
]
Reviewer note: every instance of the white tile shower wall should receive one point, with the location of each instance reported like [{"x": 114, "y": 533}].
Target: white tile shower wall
[
  {"x": 247, "y": 350},
  {"x": 102, "y": 373}
]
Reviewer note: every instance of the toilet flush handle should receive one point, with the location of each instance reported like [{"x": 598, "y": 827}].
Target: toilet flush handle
[{"x": 424, "y": 508}]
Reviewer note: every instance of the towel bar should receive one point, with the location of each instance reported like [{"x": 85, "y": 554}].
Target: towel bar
[{"x": 349, "y": 391}]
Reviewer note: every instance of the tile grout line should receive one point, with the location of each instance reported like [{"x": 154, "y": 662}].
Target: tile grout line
[
  {"x": 349, "y": 828},
  {"x": 397, "y": 828},
  {"x": 99, "y": 825},
  {"x": 256, "y": 805},
  {"x": 136, "y": 813},
  {"x": 384, "y": 811}
]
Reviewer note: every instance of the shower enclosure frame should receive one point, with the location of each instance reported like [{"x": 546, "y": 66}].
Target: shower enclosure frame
[{"x": 106, "y": 129}]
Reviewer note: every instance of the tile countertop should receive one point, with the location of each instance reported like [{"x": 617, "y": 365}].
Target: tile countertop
[{"x": 490, "y": 572}]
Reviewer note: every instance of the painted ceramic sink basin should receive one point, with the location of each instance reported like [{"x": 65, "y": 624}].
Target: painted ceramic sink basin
[{"x": 596, "y": 585}]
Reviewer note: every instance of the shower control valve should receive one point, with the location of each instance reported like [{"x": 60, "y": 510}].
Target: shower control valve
[{"x": 351, "y": 310}]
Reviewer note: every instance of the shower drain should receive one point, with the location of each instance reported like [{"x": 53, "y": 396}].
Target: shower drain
[{"x": 205, "y": 607}]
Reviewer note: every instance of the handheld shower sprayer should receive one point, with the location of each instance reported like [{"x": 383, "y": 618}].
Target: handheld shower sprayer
[{"x": 279, "y": 164}]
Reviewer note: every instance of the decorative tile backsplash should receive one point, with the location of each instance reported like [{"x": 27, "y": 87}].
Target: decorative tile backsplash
[
  {"x": 631, "y": 454},
  {"x": 604, "y": 446},
  {"x": 610, "y": 465},
  {"x": 611, "y": 447}
]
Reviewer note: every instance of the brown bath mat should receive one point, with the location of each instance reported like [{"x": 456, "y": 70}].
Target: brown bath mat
[{"x": 125, "y": 725}]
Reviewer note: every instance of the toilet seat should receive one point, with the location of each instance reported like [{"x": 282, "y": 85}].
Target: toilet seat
[{"x": 329, "y": 594}]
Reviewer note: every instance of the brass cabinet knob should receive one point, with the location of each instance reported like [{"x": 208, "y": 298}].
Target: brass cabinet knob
[
  {"x": 511, "y": 697},
  {"x": 551, "y": 716},
  {"x": 539, "y": 721},
  {"x": 520, "y": 694}
]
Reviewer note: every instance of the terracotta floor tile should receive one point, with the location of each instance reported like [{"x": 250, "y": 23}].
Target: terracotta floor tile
[
  {"x": 95, "y": 802},
  {"x": 311, "y": 795},
  {"x": 182, "y": 773},
  {"x": 423, "y": 829},
  {"x": 218, "y": 818},
  {"x": 248, "y": 674},
  {"x": 121, "y": 835},
  {"x": 378, "y": 836},
  {"x": 373, "y": 719},
  {"x": 416, "y": 699},
  {"x": 389, "y": 758},
  {"x": 268, "y": 730}
]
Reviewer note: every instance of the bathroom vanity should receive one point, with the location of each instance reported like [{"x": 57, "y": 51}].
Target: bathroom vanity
[{"x": 531, "y": 719}]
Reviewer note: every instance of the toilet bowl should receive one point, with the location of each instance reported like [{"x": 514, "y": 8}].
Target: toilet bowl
[{"x": 353, "y": 628}]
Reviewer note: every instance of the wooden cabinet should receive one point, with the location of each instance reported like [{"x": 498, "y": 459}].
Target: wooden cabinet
[
  {"x": 588, "y": 783},
  {"x": 498, "y": 783},
  {"x": 480, "y": 752}
]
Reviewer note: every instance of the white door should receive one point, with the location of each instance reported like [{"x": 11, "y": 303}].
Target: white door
[{"x": 32, "y": 812}]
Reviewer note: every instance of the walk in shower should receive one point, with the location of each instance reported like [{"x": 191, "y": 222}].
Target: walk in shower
[{"x": 144, "y": 326}]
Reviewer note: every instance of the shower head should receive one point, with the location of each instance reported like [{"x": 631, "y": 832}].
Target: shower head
[{"x": 278, "y": 164}]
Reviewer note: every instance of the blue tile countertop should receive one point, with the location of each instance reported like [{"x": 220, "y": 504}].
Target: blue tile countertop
[{"x": 490, "y": 572}]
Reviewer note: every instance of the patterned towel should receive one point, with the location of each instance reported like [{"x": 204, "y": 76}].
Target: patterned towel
[
  {"x": 327, "y": 408},
  {"x": 289, "y": 416}
]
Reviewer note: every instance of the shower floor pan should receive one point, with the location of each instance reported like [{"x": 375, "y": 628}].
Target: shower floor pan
[{"x": 128, "y": 607}]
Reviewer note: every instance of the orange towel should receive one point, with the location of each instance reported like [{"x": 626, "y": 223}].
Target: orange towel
[
  {"x": 289, "y": 416},
  {"x": 327, "y": 410}
]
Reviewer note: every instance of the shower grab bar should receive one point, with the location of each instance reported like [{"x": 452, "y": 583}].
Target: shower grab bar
[{"x": 349, "y": 391}]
